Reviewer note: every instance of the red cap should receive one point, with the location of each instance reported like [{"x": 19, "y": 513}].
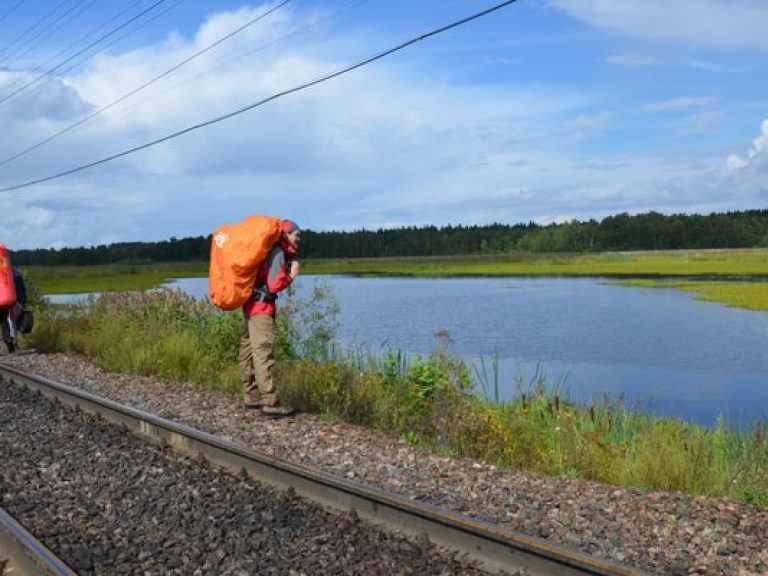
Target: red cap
[{"x": 289, "y": 226}]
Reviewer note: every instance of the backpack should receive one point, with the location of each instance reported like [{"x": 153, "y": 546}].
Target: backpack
[
  {"x": 237, "y": 250},
  {"x": 7, "y": 286},
  {"x": 25, "y": 322}
]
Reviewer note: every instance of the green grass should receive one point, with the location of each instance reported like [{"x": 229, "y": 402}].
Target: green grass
[
  {"x": 663, "y": 263},
  {"x": 721, "y": 263},
  {"x": 746, "y": 295},
  {"x": 109, "y": 277},
  {"x": 427, "y": 401},
  {"x": 654, "y": 267},
  {"x": 165, "y": 333}
]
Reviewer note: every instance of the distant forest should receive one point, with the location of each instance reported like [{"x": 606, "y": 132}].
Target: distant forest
[{"x": 648, "y": 231}]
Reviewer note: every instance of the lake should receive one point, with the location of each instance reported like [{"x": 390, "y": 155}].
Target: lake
[{"x": 660, "y": 349}]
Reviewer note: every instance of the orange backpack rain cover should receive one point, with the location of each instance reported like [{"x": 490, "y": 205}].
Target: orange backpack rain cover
[
  {"x": 7, "y": 287},
  {"x": 236, "y": 252}
]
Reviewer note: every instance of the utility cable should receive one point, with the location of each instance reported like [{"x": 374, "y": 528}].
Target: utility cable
[
  {"x": 10, "y": 10},
  {"x": 36, "y": 24},
  {"x": 129, "y": 32},
  {"x": 78, "y": 41},
  {"x": 263, "y": 101},
  {"x": 186, "y": 81},
  {"x": 112, "y": 42},
  {"x": 110, "y": 33},
  {"x": 37, "y": 40},
  {"x": 146, "y": 84}
]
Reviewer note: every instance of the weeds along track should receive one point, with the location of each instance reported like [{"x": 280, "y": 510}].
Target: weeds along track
[{"x": 82, "y": 478}]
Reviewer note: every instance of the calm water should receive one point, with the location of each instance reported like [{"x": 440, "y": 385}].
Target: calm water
[{"x": 658, "y": 348}]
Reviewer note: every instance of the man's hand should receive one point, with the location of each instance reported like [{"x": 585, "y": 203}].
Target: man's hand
[{"x": 294, "y": 268}]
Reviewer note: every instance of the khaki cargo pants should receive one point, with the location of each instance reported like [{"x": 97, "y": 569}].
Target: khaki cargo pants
[{"x": 257, "y": 344}]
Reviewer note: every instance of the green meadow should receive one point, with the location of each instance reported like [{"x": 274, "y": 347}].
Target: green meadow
[
  {"x": 688, "y": 263},
  {"x": 741, "y": 275},
  {"x": 108, "y": 277}
]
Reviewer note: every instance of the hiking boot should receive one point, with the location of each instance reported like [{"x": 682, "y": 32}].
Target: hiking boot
[
  {"x": 277, "y": 411},
  {"x": 251, "y": 402}
]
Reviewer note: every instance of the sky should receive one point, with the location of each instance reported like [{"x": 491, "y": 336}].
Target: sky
[{"x": 145, "y": 120}]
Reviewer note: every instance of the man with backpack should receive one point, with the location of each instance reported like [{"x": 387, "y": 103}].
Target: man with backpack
[
  {"x": 13, "y": 318},
  {"x": 257, "y": 338}
]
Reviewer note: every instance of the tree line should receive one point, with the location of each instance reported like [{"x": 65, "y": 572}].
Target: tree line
[{"x": 647, "y": 231}]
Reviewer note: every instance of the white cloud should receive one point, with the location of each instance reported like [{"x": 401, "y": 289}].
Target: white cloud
[
  {"x": 386, "y": 136},
  {"x": 732, "y": 24},
  {"x": 680, "y": 104},
  {"x": 593, "y": 122},
  {"x": 704, "y": 122},
  {"x": 400, "y": 142},
  {"x": 22, "y": 98},
  {"x": 757, "y": 155},
  {"x": 714, "y": 66},
  {"x": 734, "y": 162},
  {"x": 623, "y": 60}
]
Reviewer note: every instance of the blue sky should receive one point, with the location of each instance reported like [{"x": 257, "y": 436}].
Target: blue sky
[{"x": 545, "y": 111}]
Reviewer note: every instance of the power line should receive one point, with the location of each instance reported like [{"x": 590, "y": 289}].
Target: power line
[
  {"x": 105, "y": 46},
  {"x": 127, "y": 33},
  {"x": 148, "y": 83},
  {"x": 110, "y": 33},
  {"x": 7, "y": 96},
  {"x": 35, "y": 25},
  {"x": 263, "y": 101},
  {"x": 237, "y": 58},
  {"x": 79, "y": 40},
  {"x": 36, "y": 40},
  {"x": 10, "y": 10}
]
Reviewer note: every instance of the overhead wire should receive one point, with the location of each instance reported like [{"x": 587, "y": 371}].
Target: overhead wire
[
  {"x": 11, "y": 10},
  {"x": 34, "y": 25},
  {"x": 112, "y": 42},
  {"x": 190, "y": 79},
  {"x": 237, "y": 112},
  {"x": 10, "y": 95},
  {"x": 127, "y": 33},
  {"x": 80, "y": 52},
  {"x": 37, "y": 40},
  {"x": 130, "y": 31},
  {"x": 245, "y": 54},
  {"x": 209, "y": 47},
  {"x": 79, "y": 40}
]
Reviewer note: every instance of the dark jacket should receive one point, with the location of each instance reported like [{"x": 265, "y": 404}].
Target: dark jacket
[{"x": 20, "y": 287}]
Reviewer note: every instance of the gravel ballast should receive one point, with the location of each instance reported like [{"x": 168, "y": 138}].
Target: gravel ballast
[
  {"x": 662, "y": 533},
  {"x": 109, "y": 503}
]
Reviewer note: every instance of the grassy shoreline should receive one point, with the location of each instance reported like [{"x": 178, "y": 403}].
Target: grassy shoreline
[
  {"x": 426, "y": 401},
  {"x": 752, "y": 263},
  {"x": 736, "y": 278}
]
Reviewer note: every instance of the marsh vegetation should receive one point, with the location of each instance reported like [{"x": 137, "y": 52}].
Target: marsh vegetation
[{"x": 425, "y": 400}]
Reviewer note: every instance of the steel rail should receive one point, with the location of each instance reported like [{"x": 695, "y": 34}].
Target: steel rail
[
  {"x": 21, "y": 554},
  {"x": 493, "y": 547}
]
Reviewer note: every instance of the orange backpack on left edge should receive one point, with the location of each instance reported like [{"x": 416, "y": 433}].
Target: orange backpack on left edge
[
  {"x": 7, "y": 287},
  {"x": 237, "y": 250}
]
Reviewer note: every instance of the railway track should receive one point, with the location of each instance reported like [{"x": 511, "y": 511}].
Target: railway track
[
  {"x": 493, "y": 548},
  {"x": 21, "y": 554}
]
